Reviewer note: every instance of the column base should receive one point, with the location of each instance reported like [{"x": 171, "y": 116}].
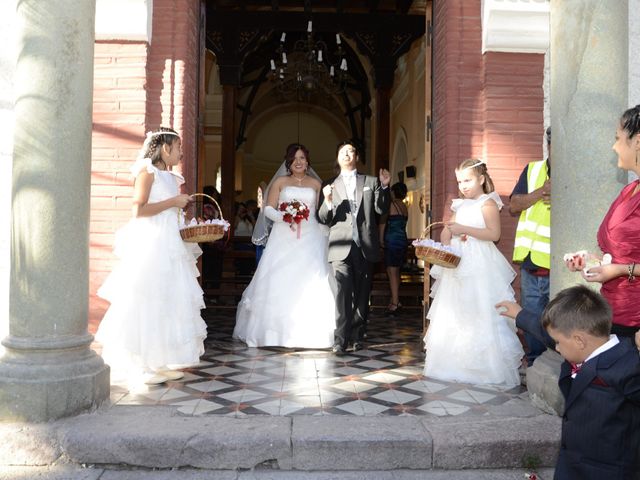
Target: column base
[
  {"x": 38, "y": 385},
  {"x": 542, "y": 383}
]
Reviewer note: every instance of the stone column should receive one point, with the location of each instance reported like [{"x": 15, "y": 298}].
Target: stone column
[
  {"x": 589, "y": 74},
  {"x": 7, "y": 72},
  {"x": 48, "y": 370}
]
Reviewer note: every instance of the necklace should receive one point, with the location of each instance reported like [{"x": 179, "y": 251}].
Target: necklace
[{"x": 299, "y": 180}]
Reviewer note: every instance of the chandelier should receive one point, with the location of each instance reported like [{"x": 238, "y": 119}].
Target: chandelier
[{"x": 309, "y": 68}]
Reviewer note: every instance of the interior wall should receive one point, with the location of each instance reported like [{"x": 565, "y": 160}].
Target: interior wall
[
  {"x": 271, "y": 132},
  {"x": 407, "y": 119}
]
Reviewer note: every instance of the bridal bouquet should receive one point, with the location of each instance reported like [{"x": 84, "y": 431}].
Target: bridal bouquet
[{"x": 294, "y": 212}]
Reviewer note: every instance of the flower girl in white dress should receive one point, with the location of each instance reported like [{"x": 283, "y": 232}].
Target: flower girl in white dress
[
  {"x": 467, "y": 339},
  {"x": 153, "y": 324}
]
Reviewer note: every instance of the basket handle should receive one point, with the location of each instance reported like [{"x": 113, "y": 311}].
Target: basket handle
[
  {"x": 428, "y": 227},
  {"x": 210, "y": 198}
]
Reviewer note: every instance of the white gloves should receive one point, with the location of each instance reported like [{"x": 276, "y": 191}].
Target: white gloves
[{"x": 273, "y": 214}]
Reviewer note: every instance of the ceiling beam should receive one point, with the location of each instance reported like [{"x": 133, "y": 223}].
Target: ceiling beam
[
  {"x": 403, "y": 6},
  {"x": 322, "y": 22}
]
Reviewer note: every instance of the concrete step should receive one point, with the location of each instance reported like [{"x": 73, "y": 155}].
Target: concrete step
[
  {"x": 95, "y": 473},
  {"x": 129, "y": 438}
]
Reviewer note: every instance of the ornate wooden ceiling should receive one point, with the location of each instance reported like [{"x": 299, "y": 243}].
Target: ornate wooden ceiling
[
  {"x": 331, "y": 6},
  {"x": 243, "y": 34}
]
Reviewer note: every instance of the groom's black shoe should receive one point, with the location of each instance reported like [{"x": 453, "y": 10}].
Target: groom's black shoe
[
  {"x": 337, "y": 349},
  {"x": 357, "y": 346}
]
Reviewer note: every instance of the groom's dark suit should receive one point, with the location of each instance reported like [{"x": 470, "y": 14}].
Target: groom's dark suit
[{"x": 352, "y": 254}]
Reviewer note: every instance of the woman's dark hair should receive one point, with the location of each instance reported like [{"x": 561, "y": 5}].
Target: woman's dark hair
[
  {"x": 479, "y": 168},
  {"x": 154, "y": 148},
  {"x": 290, "y": 155},
  {"x": 630, "y": 121},
  {"x": 399, "y": 190},
  {"x": 212, "y": 192}
]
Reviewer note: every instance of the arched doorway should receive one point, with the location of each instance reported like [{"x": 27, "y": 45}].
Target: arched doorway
[{"x": 253, "y": 108}]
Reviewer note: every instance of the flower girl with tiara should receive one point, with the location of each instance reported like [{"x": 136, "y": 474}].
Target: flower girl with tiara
[
  {"x": 153, "y": 325},
  {"x": 467, "y": 339}
]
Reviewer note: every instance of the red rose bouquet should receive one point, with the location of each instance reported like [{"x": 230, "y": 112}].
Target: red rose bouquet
[{"x": 294, "y": 212}]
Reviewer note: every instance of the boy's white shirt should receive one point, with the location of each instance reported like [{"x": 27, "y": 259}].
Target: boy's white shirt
[{"x": 612, "y": 342}]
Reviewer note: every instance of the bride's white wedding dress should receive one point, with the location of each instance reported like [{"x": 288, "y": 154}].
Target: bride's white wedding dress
[{"x": 289, "y": 302}]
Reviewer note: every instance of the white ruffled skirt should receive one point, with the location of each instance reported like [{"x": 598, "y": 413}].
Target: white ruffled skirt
[
  {"x": 154, "y": 319},
  {"x": 468, "y": 340}
]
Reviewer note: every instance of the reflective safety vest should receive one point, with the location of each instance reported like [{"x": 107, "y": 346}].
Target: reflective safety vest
[{"x": 533, "y": 234}]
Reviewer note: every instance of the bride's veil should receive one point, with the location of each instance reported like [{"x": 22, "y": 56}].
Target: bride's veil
[{"x": 263, "y": 225}]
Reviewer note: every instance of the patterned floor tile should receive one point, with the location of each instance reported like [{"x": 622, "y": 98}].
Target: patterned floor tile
[
  {"x": 220, "y": 370},
  {"x": 383, "y": 379},
  {"x": 206, "y": 406},
  {"x": 211, "y": 386},
  {"x": 354, "y": 408}
]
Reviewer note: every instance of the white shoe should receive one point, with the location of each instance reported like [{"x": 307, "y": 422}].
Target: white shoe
[
  {"x": 172, "y": 374},
  {"x": 155, "y": 379}
]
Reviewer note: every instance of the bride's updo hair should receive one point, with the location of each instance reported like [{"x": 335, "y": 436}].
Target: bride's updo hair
[{"x": 291, "y": 155}]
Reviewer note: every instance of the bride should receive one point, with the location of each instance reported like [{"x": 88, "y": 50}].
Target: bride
[{"x": 289, "y": 302}]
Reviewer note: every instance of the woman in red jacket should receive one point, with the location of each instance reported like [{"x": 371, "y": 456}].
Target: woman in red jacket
[{"x": 619, "y": 236}]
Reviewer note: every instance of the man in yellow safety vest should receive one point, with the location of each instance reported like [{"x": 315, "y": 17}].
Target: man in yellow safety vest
[{"x": 531, "y": 200}]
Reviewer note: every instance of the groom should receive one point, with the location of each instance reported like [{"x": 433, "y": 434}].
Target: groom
[{"x": 349, "y": 205}]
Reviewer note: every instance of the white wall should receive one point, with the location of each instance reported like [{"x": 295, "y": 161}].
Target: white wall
[
  {"x": 123, "y": 19},
  {"x": 7, "y": 70}
]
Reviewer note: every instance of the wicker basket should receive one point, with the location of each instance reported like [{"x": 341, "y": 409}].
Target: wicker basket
[
  {"x": 203, "y": 232},
  {"x": 436, "y": 256}
]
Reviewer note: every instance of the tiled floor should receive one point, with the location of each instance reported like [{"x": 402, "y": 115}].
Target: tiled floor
[{"x": 384, "y": 379}]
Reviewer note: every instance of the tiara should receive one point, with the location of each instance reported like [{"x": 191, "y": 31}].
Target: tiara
[
  {"x": 480, "y": 162},
  {"x": 160, "y": 132},
  {"x": 147, "y": 142}
]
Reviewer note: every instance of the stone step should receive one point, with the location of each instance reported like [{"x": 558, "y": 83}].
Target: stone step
[
  {"x": 96, "y": 473},
  {"x": 130, "y": 437}
]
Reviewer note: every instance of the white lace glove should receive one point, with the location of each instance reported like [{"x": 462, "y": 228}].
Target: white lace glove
[{"x": 273, "y": 214}]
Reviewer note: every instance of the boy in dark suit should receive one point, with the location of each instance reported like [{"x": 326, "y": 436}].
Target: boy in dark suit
[{"x": 600, "y": 381}]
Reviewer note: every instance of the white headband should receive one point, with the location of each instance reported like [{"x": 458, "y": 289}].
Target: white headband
[
  {"x": 147, "y": 141},
  {"x": 160, "y": 132},
  {"x": 480, "y": 162}
]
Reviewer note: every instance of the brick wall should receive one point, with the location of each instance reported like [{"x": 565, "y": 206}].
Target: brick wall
[
  {"x": 488, "y": 106},
  {"x": 137, "y": 87},
  {"x": 119, "y": 101},
  {"x": 173, "y": 77}
]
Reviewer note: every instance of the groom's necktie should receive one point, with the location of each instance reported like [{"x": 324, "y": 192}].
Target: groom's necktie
[{"x": 349, "y": 180}]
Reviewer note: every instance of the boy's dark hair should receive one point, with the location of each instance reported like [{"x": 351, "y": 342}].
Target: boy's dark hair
[{"x": 578, "y": 308}]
